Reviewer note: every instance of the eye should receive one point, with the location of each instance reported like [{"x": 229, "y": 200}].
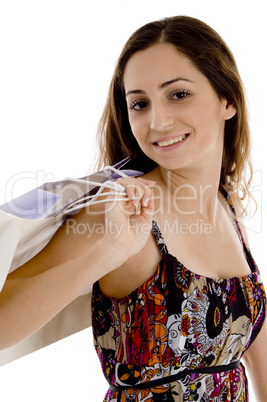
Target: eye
[
  {"x": 180, "y": 95},
  {"x": 138, "y": 105}
]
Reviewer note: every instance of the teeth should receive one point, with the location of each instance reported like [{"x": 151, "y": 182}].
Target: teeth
[{"x": 172, "y": 141}]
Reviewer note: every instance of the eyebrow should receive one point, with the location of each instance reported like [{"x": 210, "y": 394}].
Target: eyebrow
[{"x": 162, "y": 86}]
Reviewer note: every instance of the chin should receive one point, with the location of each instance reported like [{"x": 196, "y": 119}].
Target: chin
[{"x": 173, "y": 164}]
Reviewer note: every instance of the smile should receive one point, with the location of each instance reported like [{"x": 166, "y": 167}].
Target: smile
[{"x": 172, "y": 141}]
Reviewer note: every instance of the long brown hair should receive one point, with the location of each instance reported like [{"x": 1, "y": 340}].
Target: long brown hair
[{"x": 209, "y": 53}]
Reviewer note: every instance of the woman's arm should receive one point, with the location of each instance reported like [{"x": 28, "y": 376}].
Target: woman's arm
[
  {"x": 27, "y": 303},
  {"x": 255, "y": 359},
  {"x": 73, "y": 260}
]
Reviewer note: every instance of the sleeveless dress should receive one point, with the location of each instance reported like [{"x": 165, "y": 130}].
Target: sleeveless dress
[{"x": 175, "y": 322}]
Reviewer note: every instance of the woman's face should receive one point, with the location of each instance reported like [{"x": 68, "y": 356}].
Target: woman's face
[{"x": 174, "y": 113}]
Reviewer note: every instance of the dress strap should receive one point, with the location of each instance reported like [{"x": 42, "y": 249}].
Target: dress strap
[
  {"x": 234, "y": 215},
  {"x": 159, "y": 238}
]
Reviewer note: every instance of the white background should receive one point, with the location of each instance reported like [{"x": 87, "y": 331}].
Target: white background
[{"x": 57, "y": 59}]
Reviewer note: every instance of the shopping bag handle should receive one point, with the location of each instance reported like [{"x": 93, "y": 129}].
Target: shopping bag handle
[{"x": 117, "y": 188}]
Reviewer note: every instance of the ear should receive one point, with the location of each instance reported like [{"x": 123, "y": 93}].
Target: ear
[{"x": 229, "y": 110}]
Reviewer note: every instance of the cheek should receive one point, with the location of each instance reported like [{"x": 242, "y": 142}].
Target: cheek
[
  {"x": 207, "y": 117},
  {"x": 138, "y": 129}
]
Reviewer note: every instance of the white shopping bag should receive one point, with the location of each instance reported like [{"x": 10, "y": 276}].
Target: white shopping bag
[{"x": 28, "y": 223}]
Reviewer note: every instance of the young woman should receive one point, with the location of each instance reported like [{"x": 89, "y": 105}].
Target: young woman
[{"x": 177, "y": 297}]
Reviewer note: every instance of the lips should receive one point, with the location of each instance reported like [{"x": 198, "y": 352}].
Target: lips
[{"x": 175, "y": 140}]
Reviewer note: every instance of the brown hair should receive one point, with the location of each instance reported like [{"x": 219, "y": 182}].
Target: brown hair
[{"x": 208, "y": 52}]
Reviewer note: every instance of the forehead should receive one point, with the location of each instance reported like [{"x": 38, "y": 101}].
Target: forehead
[{"x": 158, "y": 62}]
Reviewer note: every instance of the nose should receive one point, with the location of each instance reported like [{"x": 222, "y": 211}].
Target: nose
[{"x": 161, "y": 117}]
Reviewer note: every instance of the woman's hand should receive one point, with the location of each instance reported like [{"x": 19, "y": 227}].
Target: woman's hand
[{"x": 128, "y": 223}]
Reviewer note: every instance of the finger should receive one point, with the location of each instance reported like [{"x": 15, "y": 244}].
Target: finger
[
  {"x": 149, "y": 183},
  {"x": 134, "y": 189},
  {"x": 146, "y": 196},
  {"x": 151, "y": 203},
  {"x": 149, "y": 209},
  {"x": 130, "y": 190},
  {"x": 146, "y": 213},
  {"x": 142, "y": 182},
  {"x": 142, "y": 196}
]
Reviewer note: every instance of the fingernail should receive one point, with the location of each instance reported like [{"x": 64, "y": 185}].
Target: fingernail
[
  {"x": 145, "y": 202},
  {"x": 152, "y": 183},
  {"x": 136, "y": 202}
]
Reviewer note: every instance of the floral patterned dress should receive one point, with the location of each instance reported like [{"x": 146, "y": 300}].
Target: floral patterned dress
[{"x": 175, "y": 321}]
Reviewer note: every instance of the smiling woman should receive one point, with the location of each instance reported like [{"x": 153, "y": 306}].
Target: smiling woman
[
  {"x": 175, "y": 121},
  {"x": 176, "y": 105},
  {"x": 211, "y": 57},
  {"x": 175, "y": 307}
]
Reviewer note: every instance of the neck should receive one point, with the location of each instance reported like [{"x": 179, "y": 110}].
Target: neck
[{"x": 189, "y": 194}]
